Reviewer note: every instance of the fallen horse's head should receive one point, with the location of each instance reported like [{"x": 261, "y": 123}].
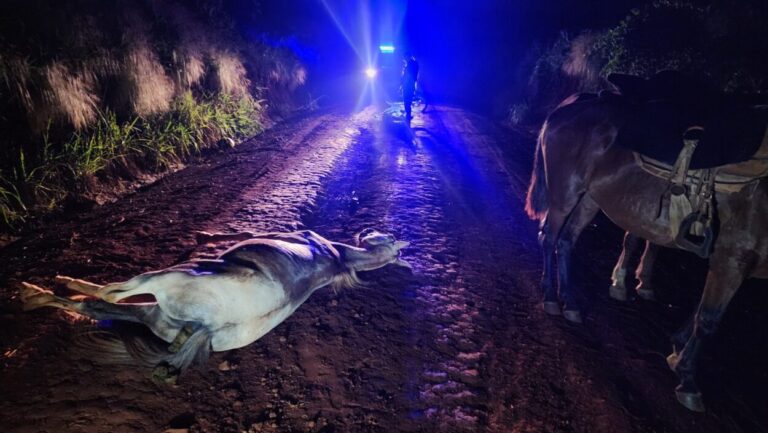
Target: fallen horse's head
[{"x": 378, "y": 250}]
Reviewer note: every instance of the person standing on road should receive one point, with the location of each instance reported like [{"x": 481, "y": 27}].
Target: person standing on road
[{"x": 408, "y": 82}]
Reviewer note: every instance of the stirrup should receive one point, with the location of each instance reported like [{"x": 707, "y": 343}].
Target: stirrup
[{"x": 699, "y": 245}]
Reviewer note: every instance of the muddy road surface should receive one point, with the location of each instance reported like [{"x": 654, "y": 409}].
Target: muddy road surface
[{"x": 458, "y": 345}]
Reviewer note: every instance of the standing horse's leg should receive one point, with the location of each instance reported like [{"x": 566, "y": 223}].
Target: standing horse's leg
[
  {"x": 723, "y": 280},
  {"x": 569, "y": 219},
  {"x": 582, "y": 214},
  {"x": 548, "y": 278},
  {"x": 645, "y": 271},
  {"x": 618, "y": 289}
]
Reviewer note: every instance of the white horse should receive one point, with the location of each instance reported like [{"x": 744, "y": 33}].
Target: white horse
[{"x": 229, "y": 302}]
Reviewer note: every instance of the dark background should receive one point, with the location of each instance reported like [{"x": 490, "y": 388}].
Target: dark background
[{"x": 470, "y": 52}]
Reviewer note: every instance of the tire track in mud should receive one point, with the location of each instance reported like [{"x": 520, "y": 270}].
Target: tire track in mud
[
  {"x": 450, "y": 388},
  {"x": 465, "y": 307}
]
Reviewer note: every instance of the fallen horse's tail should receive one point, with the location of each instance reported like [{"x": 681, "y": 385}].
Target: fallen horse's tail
[{"x": 129, "y": 346}]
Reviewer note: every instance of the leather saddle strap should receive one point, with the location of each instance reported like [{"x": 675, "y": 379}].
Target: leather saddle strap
[{"x": 691, "y": 140}]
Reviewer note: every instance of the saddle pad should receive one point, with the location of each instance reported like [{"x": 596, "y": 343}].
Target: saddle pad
[
  {"x": 730, "y": 178},
  {"x": 732, "y": 134}
]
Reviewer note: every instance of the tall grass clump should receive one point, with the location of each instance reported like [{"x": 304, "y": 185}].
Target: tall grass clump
[
  {"x": 69, "y": 170},
  {"x": 72, "y": 93},
  {"x": 93, "y": 90},
  {"x": 555, "y": 71}
]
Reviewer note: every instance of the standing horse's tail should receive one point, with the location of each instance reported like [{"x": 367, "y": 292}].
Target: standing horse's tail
[{"x": 536, "y": 205}]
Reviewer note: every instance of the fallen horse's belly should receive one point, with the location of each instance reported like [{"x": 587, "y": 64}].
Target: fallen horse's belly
[
  {"x": 220, "y": 302},
  {"x": 237, "y": 335}
]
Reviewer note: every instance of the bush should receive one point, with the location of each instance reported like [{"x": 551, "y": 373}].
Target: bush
[
  {"x": 563, "y": 68},
  {"x": 720, "y": 41}
]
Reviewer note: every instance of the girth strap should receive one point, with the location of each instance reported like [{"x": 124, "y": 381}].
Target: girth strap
[{"x": 679, "y": 203}]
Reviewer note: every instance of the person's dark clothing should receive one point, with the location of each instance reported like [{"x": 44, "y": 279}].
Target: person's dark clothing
[{"x": 410, "y": 75}]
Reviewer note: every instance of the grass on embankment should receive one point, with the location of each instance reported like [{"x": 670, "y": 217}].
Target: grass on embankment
[
  {"x": 93, "y": 92},
  {"x": 69, "y": 169}
]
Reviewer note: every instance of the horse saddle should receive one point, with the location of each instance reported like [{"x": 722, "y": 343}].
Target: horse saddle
[
  {"x": 661, "y": 109},
  {"x": 688, "y": 203},
  {"x": 729, "y": 178}
]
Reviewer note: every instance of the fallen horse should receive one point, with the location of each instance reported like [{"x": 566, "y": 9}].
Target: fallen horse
[{"x": 231, "y": 301}]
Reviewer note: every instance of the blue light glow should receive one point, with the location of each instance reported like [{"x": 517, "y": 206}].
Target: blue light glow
[{"x": 371, "y": 28}]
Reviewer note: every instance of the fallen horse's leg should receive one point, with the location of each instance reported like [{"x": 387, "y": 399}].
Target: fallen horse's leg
[
  {"x": 206, "y": 237},
  {"x": 34, "y": 297},
  {"x": 81, "y": 286}
]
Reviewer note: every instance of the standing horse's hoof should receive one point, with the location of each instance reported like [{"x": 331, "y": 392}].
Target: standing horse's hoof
[
  {"x": 572, "y": 316},
  {"x": 552, "y": 308},
  {"x": 646, "y": 294},
  {"x": 691, "y": 400},
  {"x": 672, "y": 361},
  {"x": 618, "y": 293}
]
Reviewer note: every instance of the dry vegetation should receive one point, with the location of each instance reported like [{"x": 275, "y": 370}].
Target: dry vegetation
[
  {"x": 721, "y": 42},
  {"x": 91, "y": 90}
]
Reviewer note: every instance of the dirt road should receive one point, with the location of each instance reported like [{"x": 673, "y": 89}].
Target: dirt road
[{"x": 458, "y": 345}]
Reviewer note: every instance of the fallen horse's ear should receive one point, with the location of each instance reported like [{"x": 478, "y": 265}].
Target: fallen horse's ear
[
  {"x": 203, "y": 237},
  {"x": 363, "y": 233},
  {"x": 403, "y": 263}
]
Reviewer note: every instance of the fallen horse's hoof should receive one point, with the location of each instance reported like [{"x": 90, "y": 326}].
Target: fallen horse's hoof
[
  {"x": 165, "y": 374},
  {"x": 691, "y": 400},
  {"x": 572, "y": 316},
  {"x": 672, "y": 361},
  {"x": 552, "y": 308}
]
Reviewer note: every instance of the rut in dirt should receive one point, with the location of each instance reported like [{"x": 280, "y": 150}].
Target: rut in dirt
[{"x": 459, "y": 344}]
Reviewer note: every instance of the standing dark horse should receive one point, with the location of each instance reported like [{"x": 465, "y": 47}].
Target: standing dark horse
[{"x": 579, "y": 170}]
